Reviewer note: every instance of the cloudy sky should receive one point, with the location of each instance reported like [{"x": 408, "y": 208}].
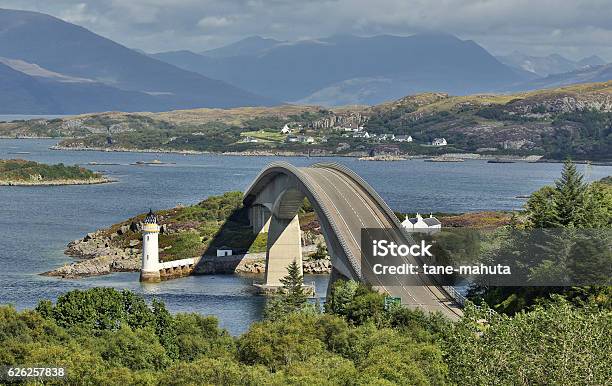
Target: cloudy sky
[{"x": 574, "y": 28}]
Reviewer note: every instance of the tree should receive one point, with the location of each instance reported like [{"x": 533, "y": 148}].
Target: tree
[
  {"x": 541, "y": 208},
  {"x": 290, "y": 298},
  {"x": 164, "y": 328},
  {"x": 569, "y": 196},
  {"x": 293, "y": 287}
]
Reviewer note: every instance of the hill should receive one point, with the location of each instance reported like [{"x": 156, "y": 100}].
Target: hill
[
  {"x": 588, "y": 74},
  {"x": 73, "y": 51},
  {"x": 573, "y": 121},
  {"x": 548, "y": 65},
  {"x": 344, "y": 68},
  {"x": 26, "y": 94}
]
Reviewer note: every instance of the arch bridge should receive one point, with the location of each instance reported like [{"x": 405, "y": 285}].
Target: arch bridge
[{"x": 344, "y": 204}]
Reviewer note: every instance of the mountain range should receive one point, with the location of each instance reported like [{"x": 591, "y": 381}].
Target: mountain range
[
  {"x": 548, "y": 65},
  {"x": 589, "y": 74},
  {"x": 349, "y": 69},
  {"x": 49, "y": 66},
  {"x": 125, "y": 78}
]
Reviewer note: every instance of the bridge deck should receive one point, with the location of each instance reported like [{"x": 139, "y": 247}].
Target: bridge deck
[{"x": 349, "y": 204}]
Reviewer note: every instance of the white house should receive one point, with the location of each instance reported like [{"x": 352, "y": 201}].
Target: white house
[
  {"x": 286, "y": 129},
  {"x": 305, "y": 139},
  {"x": 249, "y": 140},
  {"x": 403, "y": 138},
  {"x": 361, "y": 134},
  {"x": 224, "y": 251},
  {"x": 420, "y": 224},
  {"x": 439, "y": 142}
]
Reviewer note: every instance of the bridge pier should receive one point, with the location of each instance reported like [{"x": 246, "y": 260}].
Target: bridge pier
[
  {"x": 344, "y": 204},
  {"x": 259, "y": 216},
  {"x": 284, "y": 247}
]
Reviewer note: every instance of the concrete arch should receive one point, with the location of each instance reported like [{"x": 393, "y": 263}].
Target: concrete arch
[{"x": 344, "y": 204}]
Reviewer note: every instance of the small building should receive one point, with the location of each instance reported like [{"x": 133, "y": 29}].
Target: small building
[
  {"x": 361, "y": 134},
  {"x": 305, "y": 139},
  {"x": 224, "y": 251},
  {"x": 286, "y": 129},
  {"x": 292, "y": 138},
  {"x": 387, "y": 137},
  {"x": 419, "y": 224},
  {"x": 249, "y": 140},
  {"x": 439, "y": 142},
  {"x": 403, "y": 138}
]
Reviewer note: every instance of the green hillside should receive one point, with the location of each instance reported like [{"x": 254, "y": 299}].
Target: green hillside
[{"x": 17, "y": 170}]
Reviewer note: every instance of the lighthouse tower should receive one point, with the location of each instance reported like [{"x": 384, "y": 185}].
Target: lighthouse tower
[{"x": 150, "y": 250}]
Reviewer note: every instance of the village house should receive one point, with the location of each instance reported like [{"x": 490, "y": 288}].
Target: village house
[
  {"x": 424, "y": 225},
  {"x": 439, "y": 142},
  {"x": 402, "y": 138},
  {"x": 249, "y": 140},
  {"x": 361, "y": 134},
  {"x": 286, "y": 129},
  {"x": 305, "y": 139},
  {"x": 387, "y": 137}
]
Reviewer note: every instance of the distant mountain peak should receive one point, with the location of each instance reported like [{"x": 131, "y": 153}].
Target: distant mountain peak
[
  {"x": 49, "y": 49},
  {"x": 252, "y": 45},
  {"x": 547, "y": 65},
  {"x": 592, "y": 60}
]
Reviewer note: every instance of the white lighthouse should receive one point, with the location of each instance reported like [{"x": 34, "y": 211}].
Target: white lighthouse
[{"x": 150, "y": 249}]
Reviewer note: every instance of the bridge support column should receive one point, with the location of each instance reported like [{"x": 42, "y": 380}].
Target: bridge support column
[
  {"x": 284, "y": 247},
  {"x": 260, "y": 218}
]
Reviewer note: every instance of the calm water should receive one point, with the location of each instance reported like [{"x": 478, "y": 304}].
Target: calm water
[{"x": 36, "y": 223}]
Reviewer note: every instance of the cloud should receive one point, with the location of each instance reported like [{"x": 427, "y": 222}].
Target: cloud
[
  {"x": 573, "y": 27},
  {"x": 214, "y": 22}
]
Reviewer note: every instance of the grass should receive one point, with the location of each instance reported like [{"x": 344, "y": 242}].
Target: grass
[
  {"x": 265, "y": 135},
  {"x": 22, "y": 170}
]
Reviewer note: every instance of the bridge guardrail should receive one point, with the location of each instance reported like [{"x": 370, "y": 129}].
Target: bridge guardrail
[{"x": 461, "y": 299}]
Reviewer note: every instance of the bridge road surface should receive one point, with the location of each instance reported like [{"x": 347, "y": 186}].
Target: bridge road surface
[{"x": 344, "y": 195}]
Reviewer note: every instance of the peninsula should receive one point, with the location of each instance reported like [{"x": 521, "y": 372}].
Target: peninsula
[
  {"x": 18, "y": 172},
  {"x": 553, "y": 124}
]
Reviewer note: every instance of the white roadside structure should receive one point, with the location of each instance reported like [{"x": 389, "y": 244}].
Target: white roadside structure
[
  {"x": 419, "y": 224},
  {"x": 224, "y": 251}
]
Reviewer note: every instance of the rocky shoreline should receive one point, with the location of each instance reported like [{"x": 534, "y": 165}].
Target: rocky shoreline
[
  {"x": 287, "y": 153},
  {"x": 383, "y": 158},
  {"x": 96, "y": 256},
  {"x": 92, "y": 181}
]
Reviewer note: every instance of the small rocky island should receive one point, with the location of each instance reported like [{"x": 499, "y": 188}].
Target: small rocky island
[
  {"x": 191, "y": 231},
  {"x": 18, "y": 172},
  {"x": 199, "y": 230}
]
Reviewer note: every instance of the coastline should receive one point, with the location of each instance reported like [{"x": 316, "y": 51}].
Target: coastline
[
  {"x": 93, "y": 181},
  {"x": 287, "y": 153}
]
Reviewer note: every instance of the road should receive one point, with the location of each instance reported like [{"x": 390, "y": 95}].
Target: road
[{"x": 353, "y": 207}]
